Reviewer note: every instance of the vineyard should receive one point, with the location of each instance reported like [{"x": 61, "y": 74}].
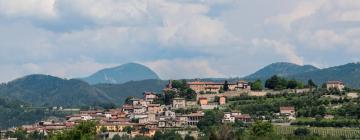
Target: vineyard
[{"x": 350, "y": 133}]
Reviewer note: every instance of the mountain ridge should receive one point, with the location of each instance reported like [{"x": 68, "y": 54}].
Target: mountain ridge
[
  {"x": 47, "y": 90},
  {"x": 280, "y": 69},
  {"x": 121, "y": 74}
]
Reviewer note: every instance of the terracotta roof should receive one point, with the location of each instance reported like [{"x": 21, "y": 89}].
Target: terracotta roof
[
  {"x": 334, "y": 82},
  {"x": 243, "y": 116},
  {"x": 153, "y": 105},
  {"x": 287, "y": 108},
  {"x": 203, "y": 83}
]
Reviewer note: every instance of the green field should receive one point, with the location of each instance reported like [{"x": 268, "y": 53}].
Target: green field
[{"x": 351, "y": 133}]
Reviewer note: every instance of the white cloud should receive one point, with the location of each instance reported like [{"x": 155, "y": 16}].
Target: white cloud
[
  {"x": 282, "y": 48},
  {"x": 322, "y": 39},
  {"x": 42, "y": 9},
  {"x": 183, "y": 68},
  {"x": 303, "y": 9},
  {"x": 64, "y": 69},
  {"x": 106, "y": 11},
  {"x": 180, "y": 39}
]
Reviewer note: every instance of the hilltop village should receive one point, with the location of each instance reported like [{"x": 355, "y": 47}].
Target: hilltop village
[{"x": 185, "y": 108}]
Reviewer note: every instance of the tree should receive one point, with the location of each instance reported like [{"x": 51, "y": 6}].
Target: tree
[
  {"x": 311, "y": 84},
  {"x": 226, "y": 85},
  {"x": 257, "y": 85},
  {"x": 292, "y": 84},
  {"x": 20, "y": 134},
  {"x": 211, "y": 118},
  {"x": 188, "y": 137},
  {"x": 127, "y": 129},
  {"x": 223, "y": 132},
  {"x": 144, "y": 130},
  {"x": 276, "y": 83},
  {"x": 302, "y": 132},
  {"x": 128, "y": 100},
  {"x": 116, "y": 137},
  {"x": 36, "y": 135},
  {"x": 84, "y": 131},
  {"x": 103, "y": 129},
  {"x": 104, "y": 132},
  {"x": 260, "y": 128},
  {"x": 167, "y": 135}
]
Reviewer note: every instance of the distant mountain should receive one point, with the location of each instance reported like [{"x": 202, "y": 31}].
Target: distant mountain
[
  {"x": 348, "y": 73},
  {"x": 280, "y": 69},
  {"x": 45, "y": 90},
  {"x": 48, "y": 91},
  {"x": 121, "y": 74}
]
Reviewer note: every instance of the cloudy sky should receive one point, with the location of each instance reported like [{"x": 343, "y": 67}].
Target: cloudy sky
[{"x": 176, "y": 38}]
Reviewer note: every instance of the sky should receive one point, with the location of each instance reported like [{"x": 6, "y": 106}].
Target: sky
[{"x": 175, "y": 38}]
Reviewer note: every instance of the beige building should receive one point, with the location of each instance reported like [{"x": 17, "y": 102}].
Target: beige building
[
  {"x": 203, "y": 101},
  {"x": 222, "y": 100},
  {"x": 214, "y": 87},
  {"x": 179, "y": 103},
  {"x": 335, "y": 84},
  {"x": 288, "y": 110},
  {"x": 153, "y": 108}
]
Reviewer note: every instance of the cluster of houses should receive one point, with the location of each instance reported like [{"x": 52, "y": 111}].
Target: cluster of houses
[{"x": 146, "y": 113}]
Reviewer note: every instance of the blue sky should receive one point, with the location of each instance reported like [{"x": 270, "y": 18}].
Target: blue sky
[{"x": 176, "y": 38}]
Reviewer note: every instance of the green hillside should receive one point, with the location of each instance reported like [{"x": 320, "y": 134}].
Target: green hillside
[
  {"x": 280, "y": 69},
  {"x": 348, "y": 73}
]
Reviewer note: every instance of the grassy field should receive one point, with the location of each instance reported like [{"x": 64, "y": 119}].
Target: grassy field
[{"x": 351, "y": 133}]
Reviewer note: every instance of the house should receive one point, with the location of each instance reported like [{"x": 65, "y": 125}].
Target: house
[
  {"x": 191, "y": 104},
  {"x": 203, "y": 101},
  {"x": 209, "y": 106},
  {"x": 150, "y": 96},
  {"x": 143, "y": 120},
  {"x": 179, "y": 103},
  {"x": 228, "y": 118},
  {"x": 128, "y": 108},
  {"x": 169, "y": 113},
  {"x": 114, "y": 126},
  {"x": 139, "y": 109},
  {"x": 181, "y": 121},
  {"x": 135, "y": 101},
  {"x": 138, "y": 116},
  {"x": 222, "y": 100},
  {"x": 241, "y": 85},
  {"x": 243, "y": 117},
  {"x": 194, "y": 118},
  {"x": 287, "y": 111},
  {"x": 151, "y": 117},
  {"x": 153, "y": 108},
  {"x": 335, "y": 84}
]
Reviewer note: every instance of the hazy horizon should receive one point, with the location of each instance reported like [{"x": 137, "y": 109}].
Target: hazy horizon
[{"x": 176, "y": 39}]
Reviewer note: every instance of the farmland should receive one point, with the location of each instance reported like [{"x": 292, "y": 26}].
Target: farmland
[{"x": 349, "y": 133}]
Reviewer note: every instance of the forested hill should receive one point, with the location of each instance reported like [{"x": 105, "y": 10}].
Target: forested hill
[
  {"x": 45, "y": 90},
  {"x": 12, "y": 113},
  {"x": 280, "y": 69},
  {"x": 348, "y": 73}
]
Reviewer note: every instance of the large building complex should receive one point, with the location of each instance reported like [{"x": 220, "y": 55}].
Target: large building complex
[{"x": 215, "y": 87}]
